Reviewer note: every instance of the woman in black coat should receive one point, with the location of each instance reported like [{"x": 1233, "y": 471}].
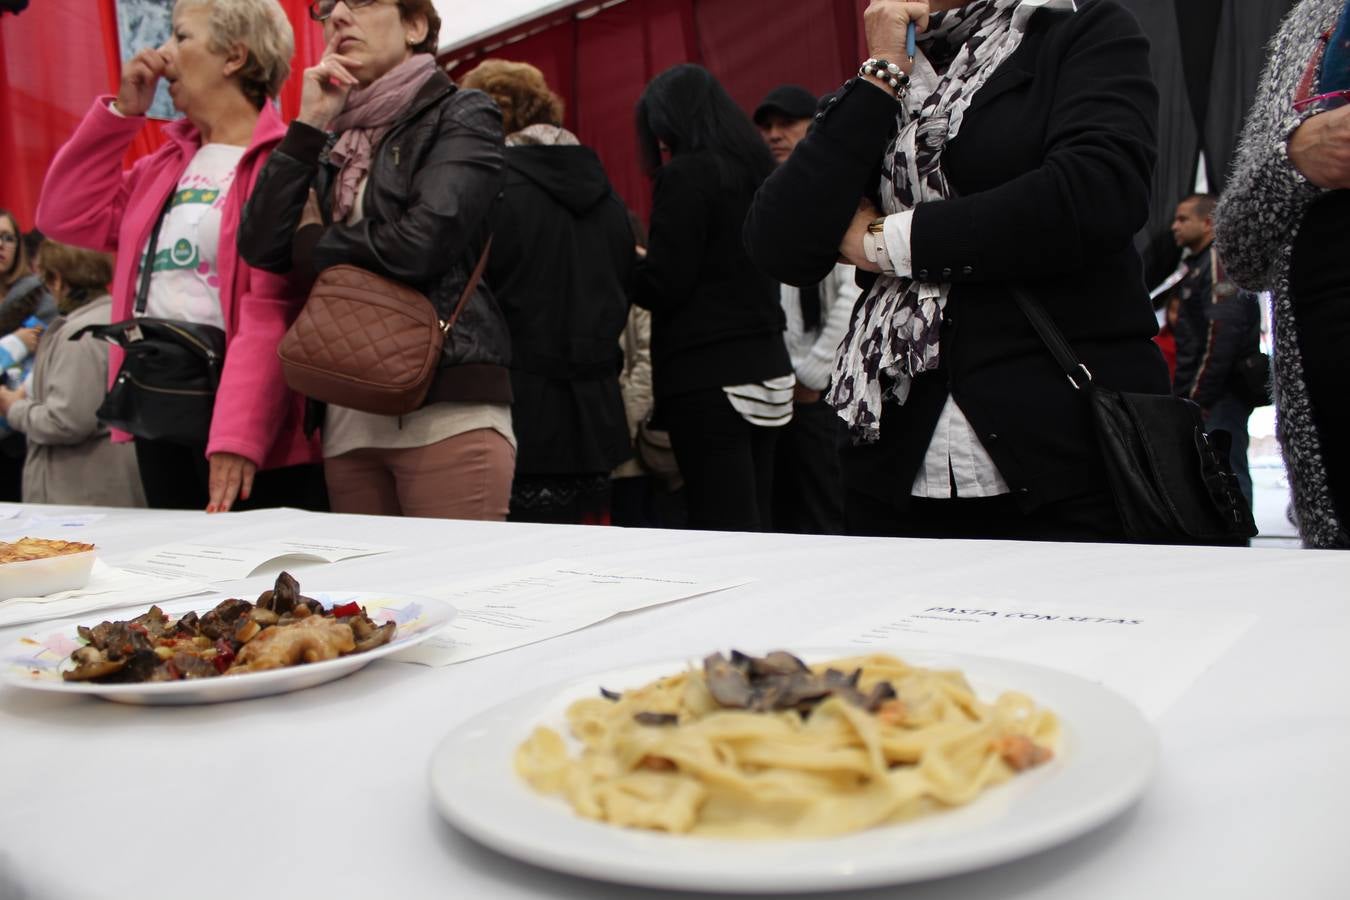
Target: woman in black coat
[
  {"x": 720, "y": 370},
  {"x": 561, "y": 271},
  {"x": 1019, "y": 153}
]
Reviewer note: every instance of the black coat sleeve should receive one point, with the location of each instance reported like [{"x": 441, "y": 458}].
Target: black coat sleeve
[
  {"x": 1089, "y": 196},
  {"x": 802, "y": 210},
  {"x": 267, "y": 229},
  {"x": 451, "y": 195}
]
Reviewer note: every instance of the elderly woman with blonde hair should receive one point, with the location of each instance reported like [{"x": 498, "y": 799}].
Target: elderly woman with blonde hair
[
  {"x": 71, "y": 459},
  {"x": 172, "y": 220},
  {"x": 562, "y": 283}
]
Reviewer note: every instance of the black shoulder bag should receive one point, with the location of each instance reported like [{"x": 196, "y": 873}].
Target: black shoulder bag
[
  {"x": 1172, "y": 483},
  {"x": 166, "y": 388}
]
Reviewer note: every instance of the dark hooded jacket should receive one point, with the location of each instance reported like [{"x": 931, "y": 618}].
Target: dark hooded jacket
[{"x": 560, "y": 269}]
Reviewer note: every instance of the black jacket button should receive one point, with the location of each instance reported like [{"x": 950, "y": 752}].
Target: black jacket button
[
  {"x": 967, "y": 270},
  {"x": 923, "y": 274},
  {"x": 946, "y": 274}
]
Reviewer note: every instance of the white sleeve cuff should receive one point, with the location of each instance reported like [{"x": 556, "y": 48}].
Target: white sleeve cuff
[
  {"x": 16, "y": 349},
  {"x": 898, "y": 229}
]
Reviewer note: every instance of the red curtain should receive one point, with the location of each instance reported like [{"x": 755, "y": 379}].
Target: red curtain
[
  {"x": 55, "y": 58},
  {"x": 601, "y": 63}
]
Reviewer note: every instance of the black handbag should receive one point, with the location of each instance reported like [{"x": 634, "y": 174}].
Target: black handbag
[
  {"x": 1172, "y": 483},
  {"x": 166, "y": 388}
]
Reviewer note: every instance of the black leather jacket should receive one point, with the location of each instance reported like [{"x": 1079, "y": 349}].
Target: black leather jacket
[{"x": 434, "y": 177}]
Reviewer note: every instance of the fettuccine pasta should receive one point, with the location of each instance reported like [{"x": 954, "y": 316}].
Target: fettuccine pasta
[{"x": 669, "y": 756}]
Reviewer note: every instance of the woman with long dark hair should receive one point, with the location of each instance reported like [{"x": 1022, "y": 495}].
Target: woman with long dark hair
[{"x": 720, "y": 371}]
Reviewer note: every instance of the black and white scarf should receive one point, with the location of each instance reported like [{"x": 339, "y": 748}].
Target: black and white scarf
[{"x": 896, "y": 329}]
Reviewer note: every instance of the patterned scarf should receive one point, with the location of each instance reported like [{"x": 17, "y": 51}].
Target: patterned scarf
[
  {"x": 895, "y": 332},
  {"x": 365, "y": 118}
]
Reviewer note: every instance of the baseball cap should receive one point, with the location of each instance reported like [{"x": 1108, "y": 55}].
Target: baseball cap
[{"x": 791, "y": 100}]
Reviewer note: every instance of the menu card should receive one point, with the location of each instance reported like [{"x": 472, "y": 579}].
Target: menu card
[
  {"x": 231, "y": 562},
  {"x": 1150, "y": 655},
  {"x": 534, "y": 603}
]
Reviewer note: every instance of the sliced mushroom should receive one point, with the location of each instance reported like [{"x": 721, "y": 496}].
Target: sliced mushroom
[
  {"x": 377, "y": 638},
  {"x": 651, "y": 718},
  {"x": 728, "y": 685}
]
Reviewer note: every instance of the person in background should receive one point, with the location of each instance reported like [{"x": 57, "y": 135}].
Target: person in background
[
  {"x": 808, "y": 480},
  {"x": 403, "y": 191},
  {"x": 21, "y": 292},
  {"x": 224, "y": 64},
  {"x": 71, "y": 458},
  {"x": 721, "y": 374},
  {"x": 783, "y": 117},
  {"x": 1218, "y": 325},
  {"x": 23, "y": 303},
  {"x": 1017, "y": 151},
  {"x": 561, "y": 274},
  {"x": 1283, "y": 225},
  {"x": 1166, "y": 338}
]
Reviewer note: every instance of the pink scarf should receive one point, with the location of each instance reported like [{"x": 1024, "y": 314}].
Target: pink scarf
[{"x": 365, "y": 118}]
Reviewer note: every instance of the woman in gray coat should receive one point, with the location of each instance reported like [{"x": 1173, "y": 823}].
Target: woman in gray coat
[
  {"x": 71, "y": 460},
  {"x": 1283, "y": 225}
]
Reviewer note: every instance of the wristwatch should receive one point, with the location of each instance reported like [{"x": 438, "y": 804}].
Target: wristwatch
[{"x": 874, "y": 245}]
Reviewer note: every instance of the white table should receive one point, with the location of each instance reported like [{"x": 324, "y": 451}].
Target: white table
[{"x": 323, "y": 793}]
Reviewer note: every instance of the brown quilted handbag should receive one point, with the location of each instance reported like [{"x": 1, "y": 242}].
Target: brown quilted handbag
[{"x": 366, "y": 342}]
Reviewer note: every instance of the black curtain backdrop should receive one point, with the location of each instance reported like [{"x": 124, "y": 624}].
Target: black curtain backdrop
[{"x": 1206, "y": 58}]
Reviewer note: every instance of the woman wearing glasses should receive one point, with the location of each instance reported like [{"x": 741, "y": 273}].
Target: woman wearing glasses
[
  {"x": 224, "y": 64},
  {"x": 1283, "y": 225},
  {"x": 392, "y": 168}
]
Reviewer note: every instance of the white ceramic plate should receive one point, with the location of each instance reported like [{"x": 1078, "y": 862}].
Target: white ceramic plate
[
  {"x": 1105, "y": 759},
  {"x": 36, "y": 660}
]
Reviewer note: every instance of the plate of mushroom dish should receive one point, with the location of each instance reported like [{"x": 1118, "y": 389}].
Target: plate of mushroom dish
[{"x": 235, "y": 650}]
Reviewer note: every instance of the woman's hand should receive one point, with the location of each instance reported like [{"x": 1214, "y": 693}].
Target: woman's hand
[
  {"x": 886, "y": 22},
  {"x": 851, "y": 250},
  {"x": 9, "y": 397},
  {"x": 324, "y": 89},
  {"x": 29, "y": 337},
  {"x": 231, "y": 479},
  {"x": 140, "y": 76},
  {"x": 1320, "y": 149}
]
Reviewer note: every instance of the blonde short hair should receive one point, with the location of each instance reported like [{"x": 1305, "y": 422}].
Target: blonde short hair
[
  {"x": 262, "y": 27},
  {"x": 521, "y": 92}
]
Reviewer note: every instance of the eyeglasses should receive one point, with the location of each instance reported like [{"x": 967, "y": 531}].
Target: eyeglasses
[
  {"x": 320, "y": 10},
  {"x": 8, "y": 238}
]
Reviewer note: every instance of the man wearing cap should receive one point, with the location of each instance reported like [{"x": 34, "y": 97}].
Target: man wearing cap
[{"x": 808, "y": 480}]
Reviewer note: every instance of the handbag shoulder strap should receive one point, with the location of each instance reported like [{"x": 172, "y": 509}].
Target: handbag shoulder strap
[
  {"x": 1053, "y": 338},
  {"x": 469, "y": 288},
  {"x": 148, "y": 263}
]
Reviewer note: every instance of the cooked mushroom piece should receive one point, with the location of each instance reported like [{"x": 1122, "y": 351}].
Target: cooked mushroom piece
[
  {"x": 376, "y": 638},
  {"x": 91, "y": 664},
  {"x": 651, "y": 718},
  {"x": 728, "y": 685}
]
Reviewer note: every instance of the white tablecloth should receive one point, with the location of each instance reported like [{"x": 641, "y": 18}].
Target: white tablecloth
[{"x": 323, "y": 793}]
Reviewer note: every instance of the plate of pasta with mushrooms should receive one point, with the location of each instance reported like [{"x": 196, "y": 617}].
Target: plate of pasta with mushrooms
[
  {"x": 785, "y": 772},
  {"x": 234, "y": 649}
]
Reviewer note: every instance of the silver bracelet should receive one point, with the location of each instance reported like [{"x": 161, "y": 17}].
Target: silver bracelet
[{"x": 888, "y": 72}]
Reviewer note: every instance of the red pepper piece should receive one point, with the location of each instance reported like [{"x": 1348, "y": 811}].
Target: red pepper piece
[
  {"x": 224, "y": 655},
  {"x": 346, "y": 609}
]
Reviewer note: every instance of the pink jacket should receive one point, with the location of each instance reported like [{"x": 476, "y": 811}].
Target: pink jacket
[{"x": 88, "y": 200}]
